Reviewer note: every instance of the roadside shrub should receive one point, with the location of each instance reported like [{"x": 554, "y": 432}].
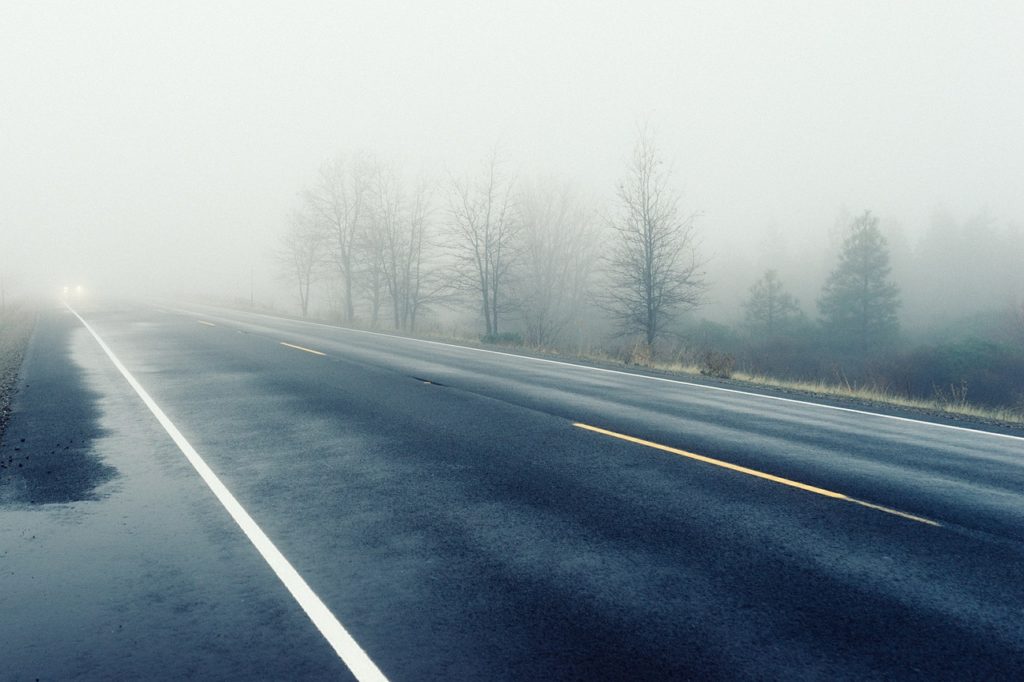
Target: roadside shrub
[
  {"x": 640, "y": 354},
  {"x": 503, "y": 339},
  {"x": 716, "y": 364},
  {"x": 994, "y": 373}
]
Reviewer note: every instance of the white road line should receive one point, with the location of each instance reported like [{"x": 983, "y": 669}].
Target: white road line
[
  {"x": 346, "y": 647},
  {"x": 641, "y": 376}
]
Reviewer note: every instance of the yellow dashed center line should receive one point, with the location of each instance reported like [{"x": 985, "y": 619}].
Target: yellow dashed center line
[
  {"x": 306, "y": 350},
  {"x": 758, "y": 474},
  {"x": 208, "y": 324}
]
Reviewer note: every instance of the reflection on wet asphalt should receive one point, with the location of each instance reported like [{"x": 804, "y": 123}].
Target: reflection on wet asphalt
[
  {"x": 48, "y": 456},
  {"x": 465, "y": 529},
  {"x": 116, "y": 564}
]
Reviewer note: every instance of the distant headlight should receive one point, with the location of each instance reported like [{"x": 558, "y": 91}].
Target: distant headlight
[{"x": 78, "y": 289}]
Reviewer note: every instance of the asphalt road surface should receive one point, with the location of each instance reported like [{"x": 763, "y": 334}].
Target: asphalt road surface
[{"x": 195, "y": 492}]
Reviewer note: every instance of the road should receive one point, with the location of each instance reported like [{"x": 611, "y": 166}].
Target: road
[{"x": 424, "y": 511}]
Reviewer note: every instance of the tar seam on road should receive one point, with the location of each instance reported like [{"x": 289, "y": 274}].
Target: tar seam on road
[
  {"x": 308, "y": 350},
  {"x": 759, "y": 474},
  {"x": 351, "y": 654},
  {"x": 639, "y": 376}
]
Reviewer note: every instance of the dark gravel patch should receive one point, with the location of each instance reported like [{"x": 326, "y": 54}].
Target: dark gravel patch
[{"x": 16, "y": 325}]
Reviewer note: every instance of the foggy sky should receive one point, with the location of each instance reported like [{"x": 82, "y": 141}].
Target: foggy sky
[{"x": 165, "y": 143}]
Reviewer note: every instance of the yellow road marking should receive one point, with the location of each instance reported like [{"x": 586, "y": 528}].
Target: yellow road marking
[
  {"x": 208, "y": 324},
  {"x": 307, "y": 350},
  {"x": 758, "y": 474}
]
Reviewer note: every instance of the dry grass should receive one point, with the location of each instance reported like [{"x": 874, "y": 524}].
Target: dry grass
[
  {"x": 861, "y": 394},
  {"x": 716, "y": 367},
  {"x": 959, "y": 408},
  {"x": 955, "y": 406}
]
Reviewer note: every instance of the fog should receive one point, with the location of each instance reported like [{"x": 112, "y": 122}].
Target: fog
[{"x": 160, "y": 147}]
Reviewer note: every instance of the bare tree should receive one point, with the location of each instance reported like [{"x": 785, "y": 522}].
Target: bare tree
[
  {"x": 653, "y": 269},
  {"x": 302, "y": 254},
  {"x": 413, "y": 285},
  {"x": 484, "y": 230},
  {"x": 395, "y": 248},
  {"x": 338, "y": 202},
  {"x": 382, "y": 238},
  {"x": 371, "y": 242},
  {"x": 556, "y": 263}
]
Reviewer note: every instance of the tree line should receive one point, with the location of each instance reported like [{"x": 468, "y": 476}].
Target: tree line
[
  {"x": 538, "y": 254},
  {"x": 976, "y": 355},
  {"x": 535, "y": 254},
  {"x": 533, "y": 261}
]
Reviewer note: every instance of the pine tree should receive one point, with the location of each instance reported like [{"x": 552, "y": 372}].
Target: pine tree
[
  {"x": 770, "y": 308},
  {"x": 859, "y": 303}
]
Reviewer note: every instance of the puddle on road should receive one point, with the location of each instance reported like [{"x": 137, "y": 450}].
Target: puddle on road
[{"x": 48, "y": 455}]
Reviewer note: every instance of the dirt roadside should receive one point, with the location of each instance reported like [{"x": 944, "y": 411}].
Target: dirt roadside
[{"x": 16, "y": 324}]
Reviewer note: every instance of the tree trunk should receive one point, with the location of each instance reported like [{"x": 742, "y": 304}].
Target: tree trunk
[{"x": 349, "y": 312}]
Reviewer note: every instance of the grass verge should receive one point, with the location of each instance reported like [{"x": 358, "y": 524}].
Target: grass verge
[
  {"x": 878, "y": 396},
  {"x": 863, "y": 395}
]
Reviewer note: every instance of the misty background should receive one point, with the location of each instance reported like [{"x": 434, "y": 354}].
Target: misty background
[{"x": 161, "y": 148}]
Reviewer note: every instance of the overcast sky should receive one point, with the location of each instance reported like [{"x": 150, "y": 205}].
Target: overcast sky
[{"x": 167, "y": 140}]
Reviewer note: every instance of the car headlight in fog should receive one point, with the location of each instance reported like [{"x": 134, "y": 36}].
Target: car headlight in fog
[{"x": 77, "y": 290}]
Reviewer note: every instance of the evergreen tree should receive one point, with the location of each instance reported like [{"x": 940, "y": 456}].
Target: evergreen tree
[
  {"x": 858, "y": 304},
  {"x": 770, "y": 308}
]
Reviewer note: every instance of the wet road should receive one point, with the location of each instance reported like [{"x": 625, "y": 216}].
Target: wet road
[{"x": 473, "y": 515}]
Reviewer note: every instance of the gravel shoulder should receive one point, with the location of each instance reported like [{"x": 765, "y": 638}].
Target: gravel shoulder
[{"x": 16, "y": 325}]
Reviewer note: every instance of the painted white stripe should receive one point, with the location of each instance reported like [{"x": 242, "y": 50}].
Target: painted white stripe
[
  {"x": 303, "y": 348},
  {"x": 638, "y": 376},
  {"x": 346, "y": 647}
]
